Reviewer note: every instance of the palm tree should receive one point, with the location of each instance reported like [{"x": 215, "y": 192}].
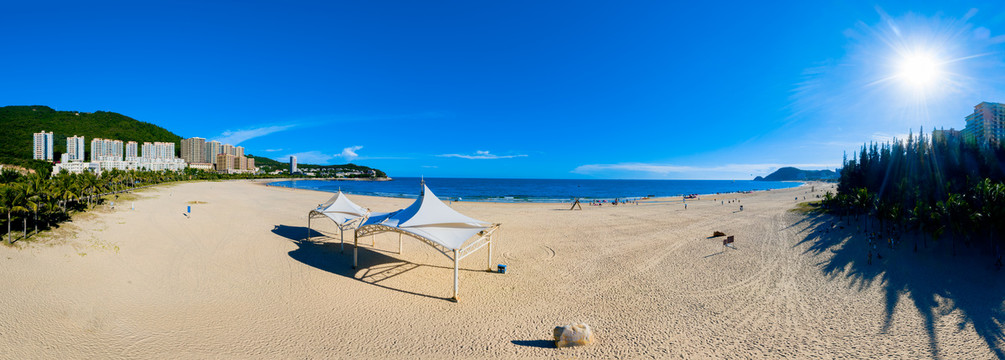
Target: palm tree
[
  {"x": 11, "y": 201},
  {"x": 35, "y": 191},
  {"x": 957, "y": 211}
]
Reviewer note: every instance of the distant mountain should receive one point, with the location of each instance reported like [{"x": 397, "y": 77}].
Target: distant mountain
[
  {"x": 794, "y": 174},
  {"x": 20, "y": 122}
]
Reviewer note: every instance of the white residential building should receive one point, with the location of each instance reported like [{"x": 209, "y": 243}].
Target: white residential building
[
  {"x": 106, "y": 150},
  {"x": 132, "y": 153},
  {"x": 43, "y": 146},
  {"x": 75, "y": 148}
]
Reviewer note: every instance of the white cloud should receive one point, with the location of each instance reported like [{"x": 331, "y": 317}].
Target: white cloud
[
  {"x": 481, "y": 155},
  {"x": 707, "y": 172},
  {"x": 320, "y": 158},
  {"x": 349, "y": 153},
  {"x": 273, "y": 150},
  {"x": 309, "y": 157},
  {"x": 238, "y": 136}
]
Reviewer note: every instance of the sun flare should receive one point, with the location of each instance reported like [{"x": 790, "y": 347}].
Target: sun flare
[{"x": 920, "y": 70}]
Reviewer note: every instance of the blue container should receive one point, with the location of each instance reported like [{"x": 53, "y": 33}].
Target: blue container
[{"x": 502, "y": 269}]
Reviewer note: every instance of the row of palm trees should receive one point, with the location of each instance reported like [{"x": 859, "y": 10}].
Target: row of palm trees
[
  {"x": 979, "y": 212},
  {"x": 44, "y": 201},
  {"x": 943, "y": 186}
]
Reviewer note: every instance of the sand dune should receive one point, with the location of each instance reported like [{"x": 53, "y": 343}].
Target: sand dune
[{"x": 235, "y": 279}]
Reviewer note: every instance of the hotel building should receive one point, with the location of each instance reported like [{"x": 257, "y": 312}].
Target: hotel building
[
  {"x": 987, "y": 124},
  {"x": 230, "y": 164}
]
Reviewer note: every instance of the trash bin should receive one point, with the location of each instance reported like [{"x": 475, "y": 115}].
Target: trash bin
[{"x": 502, "y": 269}]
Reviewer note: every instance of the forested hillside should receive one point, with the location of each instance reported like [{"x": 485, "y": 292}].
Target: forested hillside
[{"x": 20, "y": 122}]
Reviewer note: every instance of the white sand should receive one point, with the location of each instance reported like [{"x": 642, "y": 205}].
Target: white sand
[{"x": 231, "y": 281}]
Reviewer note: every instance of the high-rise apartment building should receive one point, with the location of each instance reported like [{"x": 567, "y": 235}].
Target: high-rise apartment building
[
  {"x": 987, "y": 124},
  {"x": 167, "y": 150},
  {"x": 115, "y": 147},
  {"x": 98, "y": 150},
  {"x": 147, "y": 150},
  {"x": 213, "y": 148},
  {"x": 228, "y": 149},
  {"x": 75, "y": 148},
  {"x": 132, "y": 153},
  {"x": 239, "y": 150},
  {"x": 106, "y": 150},
  {"x": 43, "y": 146},
  {"x": 193, "y": 150},
  {"x": 293, "y": 164},
  {"x": 158, "y": 151}
]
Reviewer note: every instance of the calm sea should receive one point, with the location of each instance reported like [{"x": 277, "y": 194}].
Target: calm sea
[{"x": 534, "y": 190}]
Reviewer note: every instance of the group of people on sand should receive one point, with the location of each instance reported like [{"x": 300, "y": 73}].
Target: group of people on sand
[
  {"x": 614, "y": 202},
  {"x": 872, "y": 246}
]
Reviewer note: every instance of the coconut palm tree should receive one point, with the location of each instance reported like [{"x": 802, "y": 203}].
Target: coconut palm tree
[
  {"x": 11, "y": 201},
  {"x": 35, "y": 191}
]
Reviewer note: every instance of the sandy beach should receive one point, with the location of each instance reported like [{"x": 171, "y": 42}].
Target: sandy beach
[{"x": 235, "y": 279}]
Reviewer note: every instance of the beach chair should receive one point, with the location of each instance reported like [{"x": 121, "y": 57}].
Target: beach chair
[{"x": 728, "y": 241}]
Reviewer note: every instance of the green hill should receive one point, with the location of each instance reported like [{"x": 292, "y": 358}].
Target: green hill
[
  {"x": 794, "y": 174},
  {"x": 20, "y": 122},
  {"x": 268, "y": 165}
]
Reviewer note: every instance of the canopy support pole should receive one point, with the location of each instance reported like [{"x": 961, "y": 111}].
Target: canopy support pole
[
  {"x": 399, "y": 243},
  {"x": 373, "y": 240},
  {"x": 308, "y": 227},
  {"x": 341, "y": 240},
  {"x": 355, "y": 249},
  {"x": 457, "y": 261},
  {"x": 490, "y": 254}
]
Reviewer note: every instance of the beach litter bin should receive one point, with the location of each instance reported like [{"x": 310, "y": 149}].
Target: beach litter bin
[{"x": 502, "y": 269}]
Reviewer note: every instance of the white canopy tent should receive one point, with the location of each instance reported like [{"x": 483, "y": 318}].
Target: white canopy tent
[
  {"x": 345, "y": 213},
  {"x": 434, "y": 223}
]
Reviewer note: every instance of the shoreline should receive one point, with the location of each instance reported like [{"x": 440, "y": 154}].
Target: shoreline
[{"x": 583, "y": 200}]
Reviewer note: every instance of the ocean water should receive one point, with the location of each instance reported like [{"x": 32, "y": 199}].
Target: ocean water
[{"x": 534, "y": 190}]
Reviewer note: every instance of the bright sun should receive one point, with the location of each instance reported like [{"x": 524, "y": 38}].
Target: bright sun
[{"x": 920, "y": 70}]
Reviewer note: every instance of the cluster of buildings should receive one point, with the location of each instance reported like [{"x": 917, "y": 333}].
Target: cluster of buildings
[
  {"x": 985, "y": 126},
  {"x": 214, "y": 156},
  {"x": 107, "y": 154}
]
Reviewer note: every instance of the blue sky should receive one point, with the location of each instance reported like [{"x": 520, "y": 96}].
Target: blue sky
[{"x": 528, "y": 89}]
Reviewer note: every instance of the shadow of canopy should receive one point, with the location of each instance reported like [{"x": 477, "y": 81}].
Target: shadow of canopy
[{"x": 376, "y": 266}]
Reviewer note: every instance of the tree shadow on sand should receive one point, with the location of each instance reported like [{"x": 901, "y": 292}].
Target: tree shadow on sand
[
  {"x": 935, "y": 281},
  {"x": 375, "y": 266}
]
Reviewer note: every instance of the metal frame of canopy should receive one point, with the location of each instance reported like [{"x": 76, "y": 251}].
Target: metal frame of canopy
[
  {"x": 484, "y": 238},
  {"x": 352, "y": 224}
]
